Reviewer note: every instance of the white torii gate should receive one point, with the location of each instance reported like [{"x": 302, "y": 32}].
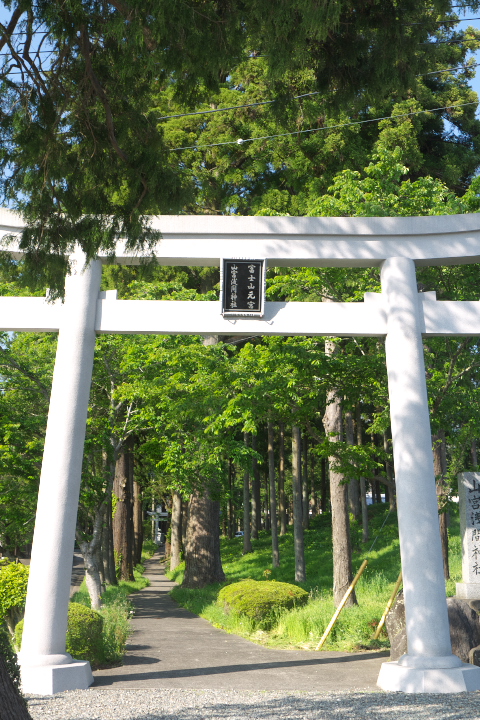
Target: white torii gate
[{"x": 399, "y": 313}]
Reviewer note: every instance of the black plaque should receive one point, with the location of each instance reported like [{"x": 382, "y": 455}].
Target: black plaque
[{"x": 243, "y": 285}]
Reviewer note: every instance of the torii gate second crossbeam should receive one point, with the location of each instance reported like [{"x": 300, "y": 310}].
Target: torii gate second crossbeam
[{"x": 399, "y": 313}]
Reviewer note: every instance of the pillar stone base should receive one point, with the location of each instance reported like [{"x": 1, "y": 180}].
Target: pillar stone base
[
  {"x": 398, "y": 678},
  {"x": 51, "y": 679},
  {"x": 468, "y": 591}
]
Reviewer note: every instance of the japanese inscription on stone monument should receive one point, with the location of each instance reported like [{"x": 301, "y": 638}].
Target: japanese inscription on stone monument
[
  {"x": 469, "y": 498},
  {"x": 243, "y": 287}
]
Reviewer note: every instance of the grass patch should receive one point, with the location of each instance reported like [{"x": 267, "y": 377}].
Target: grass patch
[
  {"x": 302, "y": 627},
  {"x": 116, "y": 611},
  {"x": 149, "y": 548}
]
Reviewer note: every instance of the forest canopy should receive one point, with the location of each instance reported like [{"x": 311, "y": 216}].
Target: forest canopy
[{"x": 85, "y": 159}]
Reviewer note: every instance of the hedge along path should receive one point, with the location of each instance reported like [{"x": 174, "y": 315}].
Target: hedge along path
[{"x": 172, "y": 648}]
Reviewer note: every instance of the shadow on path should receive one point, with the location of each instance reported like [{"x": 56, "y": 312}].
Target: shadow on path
[{"x": 181, "y": 650}]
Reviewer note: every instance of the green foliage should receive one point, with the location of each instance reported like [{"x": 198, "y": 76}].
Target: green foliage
[
  {"x": 114, "y": 504},
  {"x": 261, "y": 601},
  {"x": 303, "y": 626},
  {"x": 287, "y": 174},
  {"x": 104, "y": 153},
  {"x": 381, "y": 190},
  {"x": 18, "y": 635},
  {"x": 13, "y": 592},
  {"x": 99, "y": 637},
  {"x": 84, "y": 635},
  {"x": 149, "y": 548},
  {"x": 10, "y": 658},
  {"x": 26, "y": 362},
  {"x": 118, "y": 556},
  {"x": 116, "y": 612},
  {"x": 116, "y": 631}
]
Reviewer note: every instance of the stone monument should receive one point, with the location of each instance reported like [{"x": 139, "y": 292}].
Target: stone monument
[{"x": 469, "y": 501}]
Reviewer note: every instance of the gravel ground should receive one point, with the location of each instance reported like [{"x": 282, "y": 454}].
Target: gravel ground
[{"x": 160, "y": 704}]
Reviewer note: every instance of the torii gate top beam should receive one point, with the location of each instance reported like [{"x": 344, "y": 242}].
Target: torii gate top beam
[{"x": 302, "y": 241}]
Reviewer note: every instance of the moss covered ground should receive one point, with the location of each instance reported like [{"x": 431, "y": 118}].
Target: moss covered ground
[{"x": 302, "y": 627}]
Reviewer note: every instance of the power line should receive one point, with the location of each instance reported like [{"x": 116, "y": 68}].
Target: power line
[
  {"x": 440, "y": 22},
  {"x": 246, "y": 105},
  {"x": 448, "y": 42},
  {"x": 33, "y": 52},
  {"x": 241, "y": 141},
  {"x": 459, "y": 67},
  {"x": 233, "y": 107},
  {"x": 295, "y": 97},
  {"x": 421, "y": 22}
]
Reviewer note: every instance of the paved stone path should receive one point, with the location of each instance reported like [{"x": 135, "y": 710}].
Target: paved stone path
[
  {"x": 172, "y": 648},
  {"x": 78, "y": 572}
]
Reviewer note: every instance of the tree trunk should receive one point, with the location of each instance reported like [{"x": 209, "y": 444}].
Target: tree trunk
[
  {"x": 92, "y": 575},
  {"x": 313, "y": 485},
  {"x": 203, "y": 564},
  {"x": 91, "y": 557},
  {"x": 363, "y": 485},
  {"x": 108, "y": 554},
  {"x": 123, "y": 516},
  {"x": 323, "y": 487},
  {"x": 353, "y": 487},
  {"x": 305, "y": 497},
  {"x": 231, "y": 514},
  {"x": 342, "y": 551},
  {"x": 267, "y": 500},
  {"x": 131, "y": 468},
  {"x": 282, "y": 510},
  {"x": 300, "y": 575},
  {"x": 99, "y": 554},
  {"x": 247, "y": 544},
  {"x": 176, "y": 528},
  {"x": 474, "y": 455},
  {"x": 256, "y": 500},
  {"x": 152, "y": 521},
  {"x": 363, "y": 500},
  {"x": 137, "y": 522},
  {"x": 389, "y": 473},
  {"x": 185, "y": 516},
  {"x": 440, "y": 468},
  {"x": 12, "y": 705},
  {"x": 273, "y": 497}
]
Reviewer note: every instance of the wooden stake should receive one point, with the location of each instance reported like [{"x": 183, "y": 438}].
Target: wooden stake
[
  {"x": 389, "y": 605},
  {"x": 340, "y": 607}
]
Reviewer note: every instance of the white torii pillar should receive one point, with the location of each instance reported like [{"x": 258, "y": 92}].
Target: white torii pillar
[
  {"x": 46, "y": 667},
  {"x": 429, "y": 666}
]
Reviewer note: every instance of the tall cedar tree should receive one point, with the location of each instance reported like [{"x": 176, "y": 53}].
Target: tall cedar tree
[{"x": 82, "y": 155}]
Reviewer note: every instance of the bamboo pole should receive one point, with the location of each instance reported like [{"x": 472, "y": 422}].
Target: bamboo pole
[
  {"x": 340, "y": 607},
  {"x": 389, "y": 605}
]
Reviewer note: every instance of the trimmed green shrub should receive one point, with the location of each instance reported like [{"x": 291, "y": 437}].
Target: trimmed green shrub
[
  {"x": 13, "y": 592},
  {"x": 84, "y": 634},
  {"x": 261, "y": 600}
]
